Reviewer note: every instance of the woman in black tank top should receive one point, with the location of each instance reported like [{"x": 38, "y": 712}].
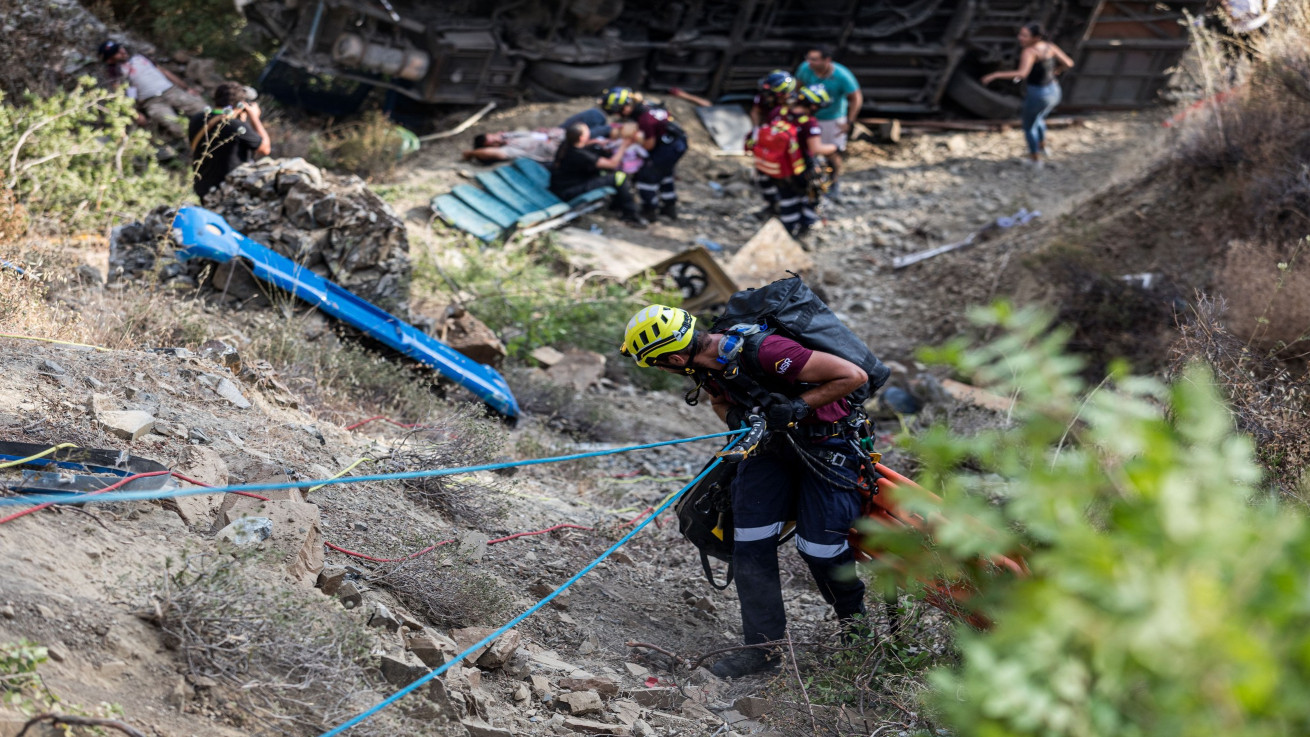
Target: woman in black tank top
[{"x": 1039, "y": 62}]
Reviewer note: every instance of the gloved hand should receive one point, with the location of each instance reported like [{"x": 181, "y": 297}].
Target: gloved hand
[
  {"x": 737, "y": 417},
  {"x": 781, "y": 410}
]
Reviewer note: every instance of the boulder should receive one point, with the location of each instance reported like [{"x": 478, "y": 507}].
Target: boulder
[
  {"x": 334, "y": 225},
  {"x": 246, "y": 531},
  {"x": 433, "y": 649},
  {"x": 587, "y": 726},
  {"x": 599, "y": 685},
  {"x": 580, "y": 702},
  {"x": 459, "y": 329},
  {"x": 330, "y": 579},
  {"x": 657, "y": 698},
  {"x": 128, "y": 425},
  {"x": 297, "y": 532},
  {"x": 208, "y": 467},
  {"x": 579, "y": 369},
  {"x": 494, "y": 655},
  {"x": 401, "y": 673}
]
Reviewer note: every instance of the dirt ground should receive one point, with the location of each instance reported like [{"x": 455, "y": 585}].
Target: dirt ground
[
  {"x": 75, "y": 582},
  {"x": 897, "y": 199}
]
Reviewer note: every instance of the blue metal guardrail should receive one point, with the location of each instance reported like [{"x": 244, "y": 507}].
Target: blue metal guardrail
[{"x": 207, "y": 235}]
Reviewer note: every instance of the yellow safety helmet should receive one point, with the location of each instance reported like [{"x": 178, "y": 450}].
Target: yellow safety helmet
[
  {"x": 613, "y": 99},
  {"x": 656, "y": 330}
]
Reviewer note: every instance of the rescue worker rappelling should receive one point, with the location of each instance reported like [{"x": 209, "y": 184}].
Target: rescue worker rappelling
[
  {"x": 760, "y": 366},
  {"x": 664, "y": 141}
]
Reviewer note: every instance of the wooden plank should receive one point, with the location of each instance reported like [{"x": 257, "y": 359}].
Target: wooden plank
[
  {"x": 977, "y": 397},
  {"x": 768, "y": 256},
  {"x": 543, "y": 199}
]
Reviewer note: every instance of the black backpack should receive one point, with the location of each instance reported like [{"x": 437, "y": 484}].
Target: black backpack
[
  {"x": 705, "y": 519},
  {"x": 789, "y": 308}
]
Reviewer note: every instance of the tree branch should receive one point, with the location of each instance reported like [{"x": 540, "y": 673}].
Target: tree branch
[{"x": 76, "y": 721}]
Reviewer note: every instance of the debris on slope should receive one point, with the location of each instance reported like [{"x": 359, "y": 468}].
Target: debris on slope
[{"x": 334, "y": 225}]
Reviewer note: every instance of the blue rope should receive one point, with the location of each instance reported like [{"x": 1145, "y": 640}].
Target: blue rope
[
  {"x": 131, "y": 496},
  {"x": 397, "y": 696}
]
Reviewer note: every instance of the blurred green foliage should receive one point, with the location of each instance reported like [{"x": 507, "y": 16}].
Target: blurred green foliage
[
  {"x": 210, "y": 28},
  {"x": 78, "y": 158},
  {"x": 1167, "y": 593}
]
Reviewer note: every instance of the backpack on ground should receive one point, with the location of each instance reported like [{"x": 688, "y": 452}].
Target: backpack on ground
[
  {"x": 789, "y": 308},
  {"x": 777, "y": 150}
]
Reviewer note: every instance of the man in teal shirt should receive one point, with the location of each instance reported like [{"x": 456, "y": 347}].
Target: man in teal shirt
[{"x": 847, "y": 99}]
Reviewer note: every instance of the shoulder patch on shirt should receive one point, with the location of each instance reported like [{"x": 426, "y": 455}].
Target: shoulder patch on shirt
[{"x": 782, "y": 366}]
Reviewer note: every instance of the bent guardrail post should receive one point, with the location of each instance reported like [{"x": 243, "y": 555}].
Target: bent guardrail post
[{"x": 203, "y": 234}]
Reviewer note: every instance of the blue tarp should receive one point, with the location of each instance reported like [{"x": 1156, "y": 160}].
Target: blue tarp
[
  {"x": 207, "y": 235},
  {"x": 514, "y": 195}
]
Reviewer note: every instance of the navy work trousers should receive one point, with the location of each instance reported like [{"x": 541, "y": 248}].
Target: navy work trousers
[{"x": 770, "y": 489}]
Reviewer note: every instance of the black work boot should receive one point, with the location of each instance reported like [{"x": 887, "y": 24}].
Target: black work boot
[
  {"x": 740, "y": 663},
  {"x": 670, "y": 210},
  {"x": 649, "y": 213}
]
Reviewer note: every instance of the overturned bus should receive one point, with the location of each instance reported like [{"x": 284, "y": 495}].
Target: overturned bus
[{"x": 911, "y": 56}]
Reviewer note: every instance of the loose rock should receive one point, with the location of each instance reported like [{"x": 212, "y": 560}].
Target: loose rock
[
  {"x": 128, "y": 425},
  {"x": 581, "y": 702}
]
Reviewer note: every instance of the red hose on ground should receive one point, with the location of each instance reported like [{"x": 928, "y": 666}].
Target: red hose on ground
[
  {"x": 339, "y": 549},
  {"x": 111, "y": 487}
]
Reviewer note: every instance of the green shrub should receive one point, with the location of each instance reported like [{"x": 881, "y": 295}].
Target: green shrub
[
  {"x": 78, "y": 157},
  {"x": 1161, "y": 599},
  {"x": 212, "y": 28}
]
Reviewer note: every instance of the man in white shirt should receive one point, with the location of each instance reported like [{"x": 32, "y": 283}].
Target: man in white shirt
[
  {"x": 538, "y": 145},
  {"x": 159, "y": 93}
]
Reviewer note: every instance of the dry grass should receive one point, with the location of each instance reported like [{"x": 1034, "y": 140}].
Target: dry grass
[
  {"x": 1269, "y": 402},
  {"x": 563, "y": 408},
  {"x": 284, "y": 672},
  {"x": 1253, "y": 133},
  {"x": 369, "y": 147},
  {"x": 445, "y": 592},
  {"x": 460, "y": 436},
  {"x": 877, "y": 683}
]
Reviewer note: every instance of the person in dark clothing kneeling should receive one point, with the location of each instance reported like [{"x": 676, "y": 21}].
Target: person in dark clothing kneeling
[
  {"x": 581, "y": 166},
  {"x": 225, "y": 138}
]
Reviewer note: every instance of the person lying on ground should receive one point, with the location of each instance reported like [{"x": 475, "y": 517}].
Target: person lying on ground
[
  {"x": 1039, "y": 62},
  {"x": 682, "y": 94},
  {"x": 538, "y": 145},
  {"x": 160, "y": 95},
  {"x": 226, "y": 137},
  {"x": 583, "y": 165}
]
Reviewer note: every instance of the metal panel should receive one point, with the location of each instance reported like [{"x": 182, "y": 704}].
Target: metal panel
[{"x": 207, "y": 235}]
